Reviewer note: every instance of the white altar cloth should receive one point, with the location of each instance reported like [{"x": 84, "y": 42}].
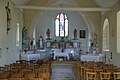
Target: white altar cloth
[
  {"x": 35, "y": 55},
  {"x": 91, "y": 58},
  {"x": 61, "y": 54},
  {"x": 30, "y": 56}
]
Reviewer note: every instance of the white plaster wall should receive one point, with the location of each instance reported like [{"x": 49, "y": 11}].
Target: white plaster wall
[
  {"x": 112, "y": 17},
  {"x": 75, "y": 22},
  {"x": 11, "y": 54}
]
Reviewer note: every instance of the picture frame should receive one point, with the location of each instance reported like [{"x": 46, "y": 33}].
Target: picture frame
[{"x": 82, "y": 34}]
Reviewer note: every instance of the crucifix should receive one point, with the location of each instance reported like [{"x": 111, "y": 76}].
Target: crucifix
[{"x": 8, "y": 11}]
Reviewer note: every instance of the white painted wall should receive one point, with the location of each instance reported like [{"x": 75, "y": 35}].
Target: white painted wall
[
  {"x": 112, "y": 17},
  {"x": 11, "y": 54}
]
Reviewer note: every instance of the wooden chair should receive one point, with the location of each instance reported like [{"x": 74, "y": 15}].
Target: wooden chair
[
  {"x": 4, "y": 74},
  {"x": 87, "y": 70},
  {"x": 29, "y": 74},
  {"x": 40, "y": 79},
  {"x": 98, "y": 70},
  {"x": 105, "y": 75},
  {"x": 90, "y": 75},
  {"x": 44, "y": 73},
  {"x": 16, "y": 79},
  {"x": 16, "y": 74},
  {"x": 116, "y": 75}
]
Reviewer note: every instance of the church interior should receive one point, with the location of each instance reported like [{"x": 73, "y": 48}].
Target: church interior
[{"x": 59, "y": 39}]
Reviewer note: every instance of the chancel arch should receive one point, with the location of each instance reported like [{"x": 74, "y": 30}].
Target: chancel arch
[{"x": 38, "y": 17}]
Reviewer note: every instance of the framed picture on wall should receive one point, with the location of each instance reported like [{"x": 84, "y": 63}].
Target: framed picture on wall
[{"x": 82, "y": 34}]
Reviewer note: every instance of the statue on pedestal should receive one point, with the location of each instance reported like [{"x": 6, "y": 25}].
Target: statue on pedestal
[
  {"x": 40, "y": 42},
  {"x": 48, "y": 33},
  {"x": 75, "y": 34},
  {"x": 31, "y": 44},
  {"x": 24, "y": 33}
]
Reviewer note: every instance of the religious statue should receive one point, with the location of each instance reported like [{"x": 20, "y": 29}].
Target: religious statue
[
  {"x": 24, "y": 33},
  {"x": 48, "y": 33},
  {"x": 31, "y": 44},
  {"x": 40, "y": 42},
  {"x": 8, "y": 11},
  {"x": 75, "y": 34}
]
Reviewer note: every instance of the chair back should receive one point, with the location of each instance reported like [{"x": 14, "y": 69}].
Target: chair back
[
  {"x": 90, "y": 75},
  {"x": 105, "y": 75},
  {"x": 116, "y": 75}
]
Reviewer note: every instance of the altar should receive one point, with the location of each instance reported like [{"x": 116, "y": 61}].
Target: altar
[
  {"x": 63, "y": 55},
  {"x": 95, "y": 58},
  {"x": 30, "y": 56},
  {"x": 34, "y": 55}
]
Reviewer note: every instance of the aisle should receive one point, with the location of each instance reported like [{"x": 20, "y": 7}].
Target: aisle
[{"x": 62, "y": 71}]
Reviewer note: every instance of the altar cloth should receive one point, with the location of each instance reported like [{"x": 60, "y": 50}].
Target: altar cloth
[{"x": 91, "y": 58}]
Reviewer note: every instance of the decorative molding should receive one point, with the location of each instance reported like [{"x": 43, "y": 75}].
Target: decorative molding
[{"x": 62, "y": 8}]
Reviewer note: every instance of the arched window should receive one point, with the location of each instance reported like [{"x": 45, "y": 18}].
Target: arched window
[
  {"x": 17, "y": 34},
  {"x": 118, "y": 32},
  {"x": 106, "y": 35},
  {"x": 61, "y": 25}
]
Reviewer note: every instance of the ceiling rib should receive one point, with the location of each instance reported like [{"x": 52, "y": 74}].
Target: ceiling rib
[{"x": 61, "y": 8}]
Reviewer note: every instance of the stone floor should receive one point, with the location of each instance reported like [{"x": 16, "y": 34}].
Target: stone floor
[{"x": 62, "y": 71}]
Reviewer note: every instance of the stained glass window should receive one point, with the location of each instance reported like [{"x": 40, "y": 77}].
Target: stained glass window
[{"x": 61, "y": 25}]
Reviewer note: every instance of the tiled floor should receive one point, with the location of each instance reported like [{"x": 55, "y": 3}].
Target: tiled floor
[{"x": 62, "y": 71}]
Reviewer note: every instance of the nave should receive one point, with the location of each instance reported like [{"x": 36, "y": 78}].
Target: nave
[
  {"x": 62, "y": 71},
  {"x": 37, "y": 70}
]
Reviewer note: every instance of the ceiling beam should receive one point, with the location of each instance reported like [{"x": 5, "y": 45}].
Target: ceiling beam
[{"x": 61, "y": 8}]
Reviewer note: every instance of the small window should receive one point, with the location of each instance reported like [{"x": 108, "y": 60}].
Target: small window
[
  {"x": 17, "y": 35},
  {"x": 61, "y": 25}
]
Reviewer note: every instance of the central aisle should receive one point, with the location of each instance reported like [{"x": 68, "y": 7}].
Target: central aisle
[{"x": 62, "y": 71}]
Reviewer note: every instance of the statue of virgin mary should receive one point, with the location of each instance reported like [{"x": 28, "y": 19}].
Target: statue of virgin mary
[
  {"x": 75, "y": 34},
  {"x": 48, "y": 33}
]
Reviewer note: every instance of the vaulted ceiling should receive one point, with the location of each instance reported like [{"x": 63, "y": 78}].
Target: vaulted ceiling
[
  {"x": 106, "y": 3},
  {"x": 101, "y": 3}
]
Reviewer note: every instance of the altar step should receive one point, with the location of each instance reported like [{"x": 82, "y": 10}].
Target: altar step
[{"x": 62, "y": 71}]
